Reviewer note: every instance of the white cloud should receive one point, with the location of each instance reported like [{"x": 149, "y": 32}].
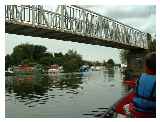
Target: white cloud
[{"x": 141, "y": 17}]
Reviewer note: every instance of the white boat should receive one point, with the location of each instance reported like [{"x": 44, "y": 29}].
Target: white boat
[
  {"x": 55, "y": 69},
  {"x": 9, "y": 71},
  {"x": 96, "y": 68}
]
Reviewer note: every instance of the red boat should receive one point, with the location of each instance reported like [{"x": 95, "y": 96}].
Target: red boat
[
  {"x": 135, "y": 114},
  {"x": 118, "y": 109},
  {"x": 130, "y": 83}
]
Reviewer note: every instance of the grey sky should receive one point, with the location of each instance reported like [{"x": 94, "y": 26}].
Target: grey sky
[{"x": 140, "y": 17}]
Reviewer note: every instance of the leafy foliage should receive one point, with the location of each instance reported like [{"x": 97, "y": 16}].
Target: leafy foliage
[
  {"x": 37, "y": 54},
  {"x": 72, "y": 61}
]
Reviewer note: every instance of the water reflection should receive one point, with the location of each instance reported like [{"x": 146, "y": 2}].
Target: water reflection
[
  {"x": 33, "y": 89},
  {"x": 63, "y": 95},
  {"x": 111, "y": 73},
  {"x": 68, "y": 81}
]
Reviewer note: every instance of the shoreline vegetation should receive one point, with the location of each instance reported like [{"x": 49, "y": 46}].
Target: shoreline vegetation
[{"x": 32, "y": 55}]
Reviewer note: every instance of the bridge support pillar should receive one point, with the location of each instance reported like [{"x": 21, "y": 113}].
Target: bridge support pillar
[{"x": 135, "y": 61}]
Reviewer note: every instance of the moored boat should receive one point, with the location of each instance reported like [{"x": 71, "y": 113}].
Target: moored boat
[
  {"x": 55, "y": 69},
  {"x": 28, "y": 70},
  {"x": 9, "y": 72},
  {"x": 23, "y": 70}
]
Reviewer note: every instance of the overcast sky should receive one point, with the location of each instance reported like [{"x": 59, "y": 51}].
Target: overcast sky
[{"x": 140, "y": 17}]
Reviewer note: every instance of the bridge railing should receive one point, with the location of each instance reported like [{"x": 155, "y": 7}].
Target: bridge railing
[{"x": 75, "y": 19}]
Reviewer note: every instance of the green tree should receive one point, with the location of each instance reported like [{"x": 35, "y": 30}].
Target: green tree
[
  {"x": 110, "y": 62},
  {"x": 38, "y": 52},
  {"x": 58, "y": 58},
  {"x": 33, "y": 54},
  {"x": 46, "y": 61},
  {"x": 104, "y": 63},
  {"x": 58, "y": 54},
  {"x": 28, "y": 54},
  {"x": 72, "y": 61}
]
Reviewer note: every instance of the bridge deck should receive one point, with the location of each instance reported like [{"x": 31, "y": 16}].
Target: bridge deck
[
  {"x": 72, "y": 23},
  {"x": 28, "y": 30}
]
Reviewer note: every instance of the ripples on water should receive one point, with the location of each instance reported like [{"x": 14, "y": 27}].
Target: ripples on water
[
  {"x": 64, "y": 95},
  {"x": 40, "y": 89}
]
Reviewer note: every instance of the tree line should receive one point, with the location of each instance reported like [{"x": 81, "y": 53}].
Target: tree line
[{"x": 37, "y": 54}]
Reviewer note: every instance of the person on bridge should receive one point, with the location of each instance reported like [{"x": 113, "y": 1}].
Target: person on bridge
[{"x": 144, "y": 102}]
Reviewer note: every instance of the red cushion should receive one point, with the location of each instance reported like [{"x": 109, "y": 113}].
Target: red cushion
[
  {"x": 126, "y": 100},
  {"x": 138, "y": 114}
]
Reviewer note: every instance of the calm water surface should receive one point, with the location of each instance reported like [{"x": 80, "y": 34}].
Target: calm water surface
[{"x": 66, "y": 95}]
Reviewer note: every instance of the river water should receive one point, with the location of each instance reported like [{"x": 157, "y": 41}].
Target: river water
[{"x": 63, "y": 95}]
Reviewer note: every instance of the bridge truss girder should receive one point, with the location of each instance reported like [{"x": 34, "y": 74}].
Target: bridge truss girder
[{"x": 77, "y": 21}]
